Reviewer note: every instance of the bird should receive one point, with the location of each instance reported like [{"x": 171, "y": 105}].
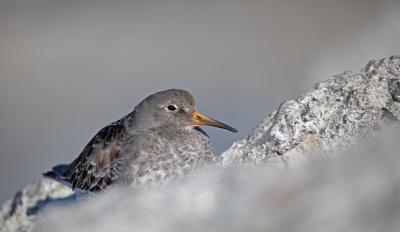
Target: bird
[{"x": 159, "y": 141}]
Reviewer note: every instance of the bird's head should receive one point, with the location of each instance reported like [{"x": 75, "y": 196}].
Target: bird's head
[{"x": 173, "y": 107}]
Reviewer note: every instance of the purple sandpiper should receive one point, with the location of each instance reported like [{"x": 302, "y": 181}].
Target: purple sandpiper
[{"x": 159, "y": 140}]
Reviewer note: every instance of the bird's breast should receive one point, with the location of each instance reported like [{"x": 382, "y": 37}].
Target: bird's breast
[{"x": 162, "y": 158}]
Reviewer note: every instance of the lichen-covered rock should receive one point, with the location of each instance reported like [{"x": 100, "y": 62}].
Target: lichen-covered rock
[
  {"x": 324, "y": 121},
  {"x": 24, "y": 211}
]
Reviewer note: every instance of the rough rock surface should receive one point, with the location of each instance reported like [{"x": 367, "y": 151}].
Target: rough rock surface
[
  {"x": 324, "y": 121},
  {"x": 24, "y": 211},
  {"x": 318, "y": 124},
  {"x": 357, "y": 192}
]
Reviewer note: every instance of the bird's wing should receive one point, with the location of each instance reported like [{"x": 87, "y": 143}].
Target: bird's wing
[{"x": 97, "y": 166}]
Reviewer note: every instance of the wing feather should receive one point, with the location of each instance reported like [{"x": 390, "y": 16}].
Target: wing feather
[{"x": 96, "y": 168}]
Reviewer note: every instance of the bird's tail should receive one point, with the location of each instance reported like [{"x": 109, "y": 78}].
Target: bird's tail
[
  {"x": 50, "y": 175},
  {"x": 59, "y": 174}
]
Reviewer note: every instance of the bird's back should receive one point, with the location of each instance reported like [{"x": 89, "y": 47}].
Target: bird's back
[{"x": 96, "y": 168}]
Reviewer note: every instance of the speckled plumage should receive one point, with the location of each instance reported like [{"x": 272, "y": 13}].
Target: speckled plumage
[
  {"x": 162, "y": 157},
  {"x": 158, "y": 141}
]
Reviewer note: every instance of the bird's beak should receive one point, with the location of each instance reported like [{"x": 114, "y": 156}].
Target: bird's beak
[{"x": 200, "y": 119}]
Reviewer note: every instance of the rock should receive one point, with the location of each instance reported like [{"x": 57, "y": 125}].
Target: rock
[
  {"x": 324, "y": 121},
  {"x": 358, "y": 191},
  {"x": 24, "y": 211},
  {"x": 321, "y": 123}
]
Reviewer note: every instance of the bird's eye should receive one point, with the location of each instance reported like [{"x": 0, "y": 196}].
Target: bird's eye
[{"x": 171, "y": 107}]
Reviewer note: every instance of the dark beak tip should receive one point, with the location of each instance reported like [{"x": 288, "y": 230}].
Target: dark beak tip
[
  {"x": 233, "y": 130},
  {"x": 229, "y": 128}
]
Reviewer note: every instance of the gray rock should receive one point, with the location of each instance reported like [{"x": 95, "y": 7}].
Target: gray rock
[
  {"x": 358, "y": 192},
  {"x": 24, "y": 211},
  {"x": 324, "y": 121},
  {"x": 321, "y": 123}
]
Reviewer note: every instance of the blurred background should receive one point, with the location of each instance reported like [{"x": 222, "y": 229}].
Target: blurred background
[{"x": 68, "y": 68}]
